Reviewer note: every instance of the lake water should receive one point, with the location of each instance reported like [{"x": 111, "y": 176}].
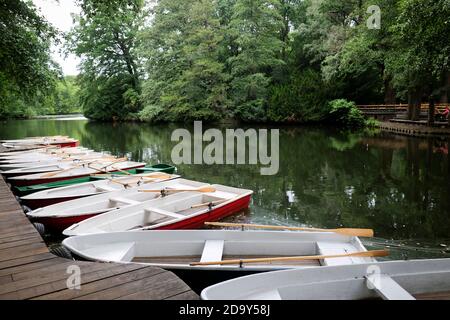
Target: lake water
[{"x": 399, "y": 186}]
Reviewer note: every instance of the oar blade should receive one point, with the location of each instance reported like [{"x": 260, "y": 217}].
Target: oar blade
[
  {"x": 365, "y": 233},
  {"x": 207, "y": 189}
]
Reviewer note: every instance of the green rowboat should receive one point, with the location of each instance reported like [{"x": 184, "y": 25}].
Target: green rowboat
[{"x": 23, "y": 191}]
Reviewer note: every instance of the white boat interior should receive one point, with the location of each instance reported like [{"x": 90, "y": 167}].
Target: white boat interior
[
  {"x": 47, "y": 157},
  {"x": 74, "y": 170},
  {"x": 51, "y": 164},
  {"x": 176, "y": 249},
  {"x": 391, "y": 280},
  {"x": 51, "y": 150},
  {"x": 159, "y": 212},
  {"x": 101, "y": 186},
  {"x": 20, "y": 165},
  {"x": 110, "y": 201}
]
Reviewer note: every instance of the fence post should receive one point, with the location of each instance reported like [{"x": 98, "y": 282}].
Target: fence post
[{"x": 431, "y": 111}]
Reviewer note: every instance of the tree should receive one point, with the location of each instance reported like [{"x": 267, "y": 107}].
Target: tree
[
  {"x": 66, "y": 96},
  {"x": 186, "y": 78},
  {"x": 27, "y": 72},
  {"x": 255, "y": 26},
  {"x": 105, "y": 37},
  {"x": 419, "y": 62}
]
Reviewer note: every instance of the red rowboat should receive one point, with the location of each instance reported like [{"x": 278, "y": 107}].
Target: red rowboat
[{"x": 182, "y": 210}]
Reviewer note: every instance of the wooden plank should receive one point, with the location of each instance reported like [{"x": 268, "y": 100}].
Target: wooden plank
[
  {"x": 38, "y": 265},
  {"x": 125, "y": 274},
  {"x": 433, "y": 296},
  {"x": 18, "y": 237},
  {"x": 49, "y": 271},
  {"x": 165, "y": 286},
  {"x": 49, "y": 282},
  {"x": 5, "y": 279},
  {"x": 23, "y": 251},
  {"x": 13, "y": 244},
  {"x": 128, "y": 288},
  {"x": 187, "y": 295},
  {"x": 58, "y": 282},
  {"x": 19, "y": 231},
  {"x": 25, "y": 260}
]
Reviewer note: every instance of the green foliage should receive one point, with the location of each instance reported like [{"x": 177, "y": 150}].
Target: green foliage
[
  {"x": 66, "y": 96},
  {"x": 105, "y": 36},
  {"x": 186, "y": 79},
  {"x": 251, "y": 60},
  {"x": 346, "y": 113},
  {"x": 108, "y": 98},
  {"x": 27, "y": 72},
  {"x": 254, "y": 26},
  {"x": 421, "y": 56},
  {"x": 372, "y": 123},
  {"x": 303, "y": 99}
]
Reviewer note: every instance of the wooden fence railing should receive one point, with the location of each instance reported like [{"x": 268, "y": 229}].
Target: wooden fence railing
[{"x": 399, "y": 107}]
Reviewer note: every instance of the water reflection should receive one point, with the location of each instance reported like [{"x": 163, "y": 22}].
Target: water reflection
[{"x": 397, "y": 185}]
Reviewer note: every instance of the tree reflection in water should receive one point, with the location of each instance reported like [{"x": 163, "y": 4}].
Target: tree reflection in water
[{"x": 397, "y": 185}]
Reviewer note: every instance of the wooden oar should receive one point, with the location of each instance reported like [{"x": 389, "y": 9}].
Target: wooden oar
[
  {"x": 142, "y": 179},
  {"x": 344, "y": 231},
  {"x": 206, "y": 189},
  {"x": 123, "y": 171},
  {"x": 162, "y": 176},
  {"x": 114, "y": 162},
  {"x": 85, "y": 158},
  {"x": 364, "y": 254},
  {"x": 207, "y": 204},
  {"x": 102, "y": 169},
  {"x": 54, "y": 173},
  {"x": 135, "y": 180}
]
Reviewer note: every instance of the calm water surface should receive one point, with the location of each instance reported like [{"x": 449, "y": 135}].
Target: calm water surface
[{"x": 399, "y": 186}]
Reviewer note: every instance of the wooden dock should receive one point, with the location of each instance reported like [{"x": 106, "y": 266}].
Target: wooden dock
[
  {"x": 414, "y": 128},
  {"x": 29, "y": 271}
]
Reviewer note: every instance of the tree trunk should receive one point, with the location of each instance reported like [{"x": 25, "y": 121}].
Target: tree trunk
[
  {"x": 431, "y": 111},
  {"x": 444, "y": 98},
  {"x": 414, "y": 102},
  {"x": 389, "y": 92}
]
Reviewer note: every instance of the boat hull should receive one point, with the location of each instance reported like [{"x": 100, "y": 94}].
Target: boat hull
[
  {"x": 59, "y": 224},
  {"x": 211, "y": 216},
  {"x": 29, "y": 189},
  {"x": 40, "y": 203},
  {"x": 69, "y": 144},
  {"x": 25, "y": 183},
  {"x": 26, "y": 190}
]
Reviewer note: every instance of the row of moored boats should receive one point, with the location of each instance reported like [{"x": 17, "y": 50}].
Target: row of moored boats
[{"x": 116, "y": 210}]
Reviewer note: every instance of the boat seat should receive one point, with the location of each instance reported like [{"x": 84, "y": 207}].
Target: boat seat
[
  {"x": 387, "y": 288},
  {"x": 165, "y": 213},
  {"x": 212, "y": 251},
  {"x": 106, "y": 188},
  {"x": 333, "y": 248},
  {"x": 124, "y": 200},
  {"x": 123, "y": 252}
]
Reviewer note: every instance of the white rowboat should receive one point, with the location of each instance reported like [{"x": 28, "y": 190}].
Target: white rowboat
[
  {"x": 60, "y": 164},
  {"x": 62, "y": 172},
  {"x": 50, "y": 164},
  {"x": 62, "y": 215},
  {"x": 391, "y": 280},
  {"x": 56, "y": 195},
  {"x": 182, "y": 210},
  {"x": 36, "y": 156},
  {"x": 49, "y": 150},
  {"x": 178, "y": 249}
]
